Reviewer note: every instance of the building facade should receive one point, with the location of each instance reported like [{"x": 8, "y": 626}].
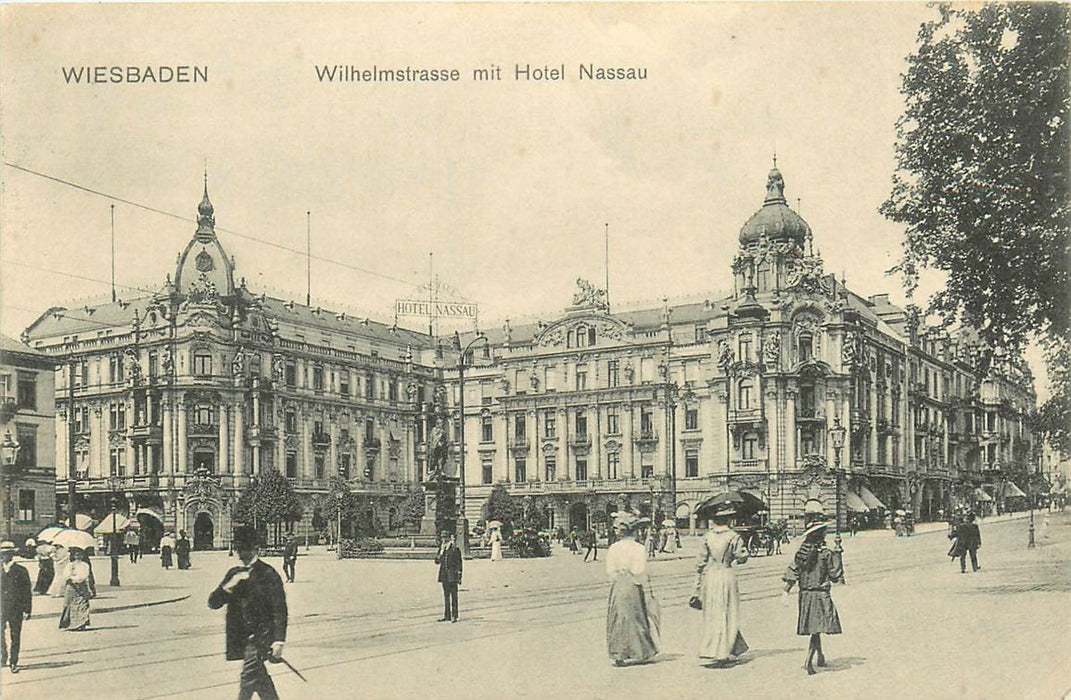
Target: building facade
[
  {"x": 656, "y": 410},
  {"x": 175, "y": 401},
  {"x": 27, "y": 429},
  {"x": 790, "y": 386}
]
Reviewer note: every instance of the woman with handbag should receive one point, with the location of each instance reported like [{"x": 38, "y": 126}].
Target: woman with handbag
[
  {"x": 717, "y": 592},
  {"x": 632, "y": 618}
]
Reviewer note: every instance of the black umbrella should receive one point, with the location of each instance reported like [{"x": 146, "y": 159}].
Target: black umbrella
[{"x": 742, "y": 502}]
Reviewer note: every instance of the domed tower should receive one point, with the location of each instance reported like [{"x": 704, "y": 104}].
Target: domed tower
[
  {"x": 204, "y": 272},
  {"x": 775, "y": 245}
]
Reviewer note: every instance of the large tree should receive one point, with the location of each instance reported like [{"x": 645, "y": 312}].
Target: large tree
[
  {"x": 982, "y": 176},
  {"x": 270, "y": 500}
]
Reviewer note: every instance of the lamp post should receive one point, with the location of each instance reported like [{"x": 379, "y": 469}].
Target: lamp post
[
  {"x": 836, "y": 436},
  {"x": 1030, "y": 544},
  {"x": 9, "y": 450},
  {"x": 463, "y": 522},
  {"x": 114, "y": 549}
]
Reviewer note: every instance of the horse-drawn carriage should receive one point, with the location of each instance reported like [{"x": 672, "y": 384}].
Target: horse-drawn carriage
[{"x": 752, "y": 517}]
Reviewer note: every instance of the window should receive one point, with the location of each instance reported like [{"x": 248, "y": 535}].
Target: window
[
  {"x": 548, "y": 379},
  {"x": 646, "y": 423},
  {"x": 27, "y": 391},
  {"x": 202, "y": 364},
  {"x": 117, "y": 416},
  {"x": 521, "y": 470},
  {"x": 550, "y": 424},
  {"x": 202, "y": 415},
  {"x": 419, "y": 427},
  {"x": 318, "y": 427},
  {"x": 115, "y": 369},
  {"x": 154, "y": 365},
  {"x": 807, "y": 401},
  {"x": 344, "y": 383},
  {"x": 369, "y": 429},
  {"x": 291, "y": 465},
  {"x": 745, "y": 347},
  {"x": 487, "y": 429},
  {"x": 369, "y": 386},
  {"x": 744, "y": 395},
  {"x": 613, "y": 374},
  {"x": 26, "y": 436},
  {"x": 762, "y": 278},
  {"x": 318, "y": 378},
  {"x": 392, "y": 389},
  {"x": 345, "y": 464},
  {"x": 646, "y": 471},
  {"x": 81, "y": 373},
  {"x": 581, "y": 469},
  {"x": 81, "y": 420},
  {"x": 519, "y": 428},
  {"x": 808, "y": 443},
  {"x": 691, "y": 463},
  {"x": 581, "y": 425},
  {"x": 805, "y": 346},
  {"x": 487, "y": 468},
  {"x": 700, "y": 334},
  {"x": 290, "y": 423},
  {"x": 118, "y": 461},
  {"x": 581, "y": 378},
  {"x": 318, "y": 465},
  {"x": 291, "y": 374},
  {"x": 691, "y": 419},
  {"x": 27, "y": 504},
  {"x": 749, "y": 446},
  {"x": 613, "y": 421},
  {"x": 613, "y": 464},
  {"x": 551, "y": 467}
]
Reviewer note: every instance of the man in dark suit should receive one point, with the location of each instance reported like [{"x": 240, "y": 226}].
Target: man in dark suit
[
  {"x": 591, "y": 541},
  {"x": 449, "y": 561},
  {"x": 16, "y": 603},
  {"x": 968, "y": 540},
  {"x": 290, "y": 558},
  {"x": 256, "y": 615}
]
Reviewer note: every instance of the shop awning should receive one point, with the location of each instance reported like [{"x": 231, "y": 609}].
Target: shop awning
[
  {"x": 980, "y": 495},
  {"x": 1013, "y": 491},
  {"x": 870, "y": 499},
  {"x": 854, "y": 502},
  {"x": 149, "y": 512}
]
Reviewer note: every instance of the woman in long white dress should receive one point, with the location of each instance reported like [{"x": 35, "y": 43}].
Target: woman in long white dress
[
  {"x": 632, "y": 633},
  {"x": 494, "y": 536},
  {"x": 60, "y": 560},
  {"x": 75, "y": 615},
  {"x": 717, "y": 589}
]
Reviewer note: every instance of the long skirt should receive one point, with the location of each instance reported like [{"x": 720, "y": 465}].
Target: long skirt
[
  {"x": 496, "y": 550},
  {"x": 818, "y": 615},
  {"x": 75, "y": 613},
  {"x": 165, "y": 557},
  {"x": 183, "y": 559},
  {"x": 628, "y": 622},
  {"x": 59, "y": 580},
  {"x": 721, "y": 616},
  {"x": 46, "y": 572}
]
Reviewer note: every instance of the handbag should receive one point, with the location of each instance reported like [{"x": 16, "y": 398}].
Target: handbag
[{"x": 695, "y": 602}]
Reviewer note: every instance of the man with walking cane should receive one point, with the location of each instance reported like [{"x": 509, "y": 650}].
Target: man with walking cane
[{"x": 256, "y": 616}]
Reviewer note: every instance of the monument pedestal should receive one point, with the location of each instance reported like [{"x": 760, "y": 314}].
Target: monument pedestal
[{"x": 440, "y": 509}]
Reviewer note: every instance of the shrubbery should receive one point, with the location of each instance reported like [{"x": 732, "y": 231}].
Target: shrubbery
[{"x": 360, "y": 546}]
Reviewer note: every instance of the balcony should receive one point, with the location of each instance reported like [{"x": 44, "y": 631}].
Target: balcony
[
  {"x": 580, "y": 440},
  {"x": 260, "y": 433},
  {"x": 647, "y": 439},
  {"x": 202, "y": 429},
  {"x": 146, "y": 431},
  {"x": 518, "y": 445},
  {"x": 810, "y": 414},
  {"x": 748, "y": 465},
  {"x": 631, "y": 484},
  {"x": 372, "y": 445},
  {"x": 321, "y": 441}
]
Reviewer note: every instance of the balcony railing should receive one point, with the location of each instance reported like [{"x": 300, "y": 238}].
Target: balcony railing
[
  {"x": 748, "y": 465},
  {"x": 646, "y": 437},
  {"x": 636, "y": 484},
  {"x": 580, "y": 440}
]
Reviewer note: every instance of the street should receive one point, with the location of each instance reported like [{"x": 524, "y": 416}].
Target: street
[{"x": 913, "y": 627}]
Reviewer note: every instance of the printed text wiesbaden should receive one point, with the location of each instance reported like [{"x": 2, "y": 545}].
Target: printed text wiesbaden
[{"x": 89, "y": 75}]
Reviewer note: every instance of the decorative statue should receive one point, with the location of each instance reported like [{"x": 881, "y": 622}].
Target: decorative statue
[
  {"x": 771, "y": 349},
  {"x": 238, "y": 363},
  {"x": 278, "y": 367},
  {"x": 848, "y": 349},
  {"x": 588, "y": 294},
  {"x": 439, "y": 450},
  {"x": 133, "y": 367},
  {"x": 167, "y": 362},
  {"x": 725, "y": 355}
]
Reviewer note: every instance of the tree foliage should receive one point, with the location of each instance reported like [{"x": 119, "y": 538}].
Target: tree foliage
[
  {"x": 269, "y": 499},
  {"x": 502, "y": 506},
  {"x": 982, "y": 173},
  {"x": 413, "y": 508}
]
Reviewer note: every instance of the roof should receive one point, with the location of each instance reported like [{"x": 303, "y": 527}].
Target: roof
[{"x": 10, "y": 346}]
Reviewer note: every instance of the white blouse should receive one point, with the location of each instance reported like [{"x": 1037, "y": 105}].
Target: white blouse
[{"x": 627, "y": 556}]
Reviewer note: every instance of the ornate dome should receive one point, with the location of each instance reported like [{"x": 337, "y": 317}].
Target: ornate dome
[
  {"x": 205, "y": 207},
  {"x": 775, "y": 220}
]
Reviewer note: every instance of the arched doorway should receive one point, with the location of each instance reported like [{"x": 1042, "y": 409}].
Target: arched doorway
[
  {"x": 203, "y": 531},
  {"x": 578, "y": 516}
]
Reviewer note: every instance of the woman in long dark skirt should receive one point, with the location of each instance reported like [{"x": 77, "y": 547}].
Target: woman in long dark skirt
[
  {"x": 182, "y": 551},
  {"x": 45, "y": 569},
  {"x": 815, "y": 568}
]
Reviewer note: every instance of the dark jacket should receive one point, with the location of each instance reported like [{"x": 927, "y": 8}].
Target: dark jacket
[
  {"x": 256, "y": 609},
  {"x": 290, "y": 551},
  {"x": 968, "y": 536},
  {"x": 16, "y": 594},
  {"x": 449, "y": 565}
]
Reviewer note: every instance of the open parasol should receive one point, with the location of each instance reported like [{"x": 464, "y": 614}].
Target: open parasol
[
  {"x": 742, "y": 501},
  {"x": 75, "y": 538},
  {"x": 81, "y": 521},
  {"x": 49, "y": 533}
]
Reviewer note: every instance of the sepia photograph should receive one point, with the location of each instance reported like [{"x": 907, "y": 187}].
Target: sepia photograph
[{"x": 535, "y": 350}]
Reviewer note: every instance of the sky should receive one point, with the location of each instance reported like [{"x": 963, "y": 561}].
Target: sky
[{"x": 509, "y": 184}]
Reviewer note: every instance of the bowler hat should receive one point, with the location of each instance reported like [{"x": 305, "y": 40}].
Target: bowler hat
[
  {"x": 245, "y": 537},
  {"x": 8, "y": 546}
]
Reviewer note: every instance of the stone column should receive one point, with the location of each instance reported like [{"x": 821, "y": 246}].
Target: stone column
[
  {"x": 566, "y": 431},
  {"x": 305, "y": 470},
  {"x": 595, "y": 467},
  {"x": 224, "y": 445},
  {"x": 168, "y": 438},
  {"x": 239, "y": 437},
  {"x": 502, "y": 435},
  {"x": 790, "y": 429},
  {"x": 181, "y": 467},
  {"x": 630, "y": 445}
]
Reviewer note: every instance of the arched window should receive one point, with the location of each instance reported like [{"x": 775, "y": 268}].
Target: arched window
[
  {"x": 581, "y": 336},
  {"x": 805, "y": 346}
]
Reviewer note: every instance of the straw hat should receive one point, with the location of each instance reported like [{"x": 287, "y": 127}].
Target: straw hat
[
  {"x": 813, "y": 507},
  {"x": 8, "y": 546}
]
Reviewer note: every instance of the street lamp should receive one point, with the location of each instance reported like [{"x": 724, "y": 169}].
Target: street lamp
[
  {"x": 462, "y": 521},
  {"x": 114, "y": 549},
  {"x": 836, "y": 436},
  {"x": 9, "y": 451}
]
